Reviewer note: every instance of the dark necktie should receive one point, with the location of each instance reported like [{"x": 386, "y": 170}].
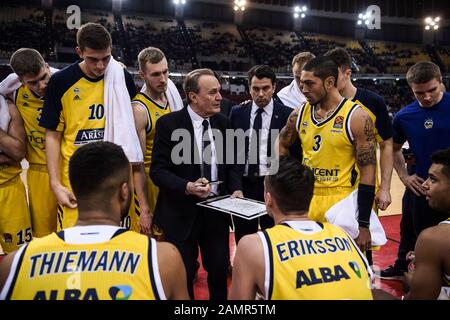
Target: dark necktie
[
  {"x": 206, "y": 152},
  {"x": 253, "y": 169}
]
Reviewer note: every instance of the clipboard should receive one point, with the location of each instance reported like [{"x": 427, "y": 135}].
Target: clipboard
[{"x": 249, "y": 209}]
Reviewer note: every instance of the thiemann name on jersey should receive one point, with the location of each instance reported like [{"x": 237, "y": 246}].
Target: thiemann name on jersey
[{"x": 83, "y": 261}]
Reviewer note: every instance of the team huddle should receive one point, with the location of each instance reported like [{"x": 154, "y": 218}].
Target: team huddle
[{"x": 106, "y": 200}]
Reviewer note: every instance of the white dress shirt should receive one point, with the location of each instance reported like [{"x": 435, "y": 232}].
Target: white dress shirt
[
  {"x": 197, "y": 123},
  {"x": 264, "y": 136}
]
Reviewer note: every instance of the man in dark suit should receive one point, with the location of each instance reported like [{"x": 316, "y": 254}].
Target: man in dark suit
[
  {"x": 262, "y": 114},
  {"x": 186, "y": 157}
]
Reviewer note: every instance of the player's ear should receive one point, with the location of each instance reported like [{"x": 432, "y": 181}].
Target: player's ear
[
  {"x": 79, "y": 52},
  {"x": 268, "y": 199},
  {"x": 141, "y": 74},
  {"x": 348, "y": 72},
  {"x": 124, "y": 191},
  {"x": 330, "y": 82}
]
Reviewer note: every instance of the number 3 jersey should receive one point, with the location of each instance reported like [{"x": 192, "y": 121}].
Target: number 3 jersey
[
  {"x": 328, "y": 145},
  {"x": 74, "y": 105}
]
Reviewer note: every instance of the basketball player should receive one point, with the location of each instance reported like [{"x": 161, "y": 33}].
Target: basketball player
[
  {"x": 336, "y": 136},
  {"x": 374, "y": 105},
  {"x": 96, "y": 259},
  {"x": 298, "y": 258},
  {"x": 148, "y": 106},
  {"x": 34, "y": 74},
  {"x": 74, "y": 114},
  {"x": 15, "y": 223},
  {"x": 432, "y": 258}
]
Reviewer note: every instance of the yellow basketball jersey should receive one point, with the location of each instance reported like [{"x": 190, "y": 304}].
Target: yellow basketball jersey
[
  {"x": 30, "y": 107},
  {"x": 83, "y": 118},
  {"x": 154, "y": 112},
  {"x": 8, "y": 172},
  {"x": 123, "y": 268},
  {"x": 74, "y": 105},
  {"x": 322, "y": 265},
  {"x": 328, "y": 145}
]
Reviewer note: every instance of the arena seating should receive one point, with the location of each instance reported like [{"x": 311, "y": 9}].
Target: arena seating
[
  {"x": 218, "y": 45},
  {"x": 64, "y": 38},
  {"x": 164, "y": 33},
  {"x": 19, "y": 26},
  {"x": 397, "y": 56},
  {"x": 444, "y": 54},
  {"x": 274, "y": 47},
  {"x": 321, "y": 43}
]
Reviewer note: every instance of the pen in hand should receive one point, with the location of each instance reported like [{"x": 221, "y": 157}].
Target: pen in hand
[{"x": 210, "y": 182}]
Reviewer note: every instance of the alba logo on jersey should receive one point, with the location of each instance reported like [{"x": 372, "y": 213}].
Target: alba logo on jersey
[
  {"x": 355, "y": 268},
  {"x": 322, "y": 275},
  {"x": 428, "y": 124},
  {"x": 120, "y": 292},
  {"x": 89, "y": 135}
]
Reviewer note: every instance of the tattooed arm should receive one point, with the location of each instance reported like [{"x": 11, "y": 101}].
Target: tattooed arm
[
  {"x": 287, "y": 135},
  {"x": 365, "y": 151},
  {"x": 365, "y": 144}
]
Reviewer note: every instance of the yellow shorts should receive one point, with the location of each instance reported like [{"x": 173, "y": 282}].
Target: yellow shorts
[
  {"x": 131, "y": 220},
  {"x": 323, "y": 199},
  {"x": 67, "y": 217},
  {"x": 152, "y": 190},
  {"x": 15, "y": 222},
  {"x": 42, "y": 201},
  {"x": 135, "y": 211}
]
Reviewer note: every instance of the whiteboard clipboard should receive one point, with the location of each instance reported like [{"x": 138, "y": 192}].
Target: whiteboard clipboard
[{"x": 245, "y": 208}]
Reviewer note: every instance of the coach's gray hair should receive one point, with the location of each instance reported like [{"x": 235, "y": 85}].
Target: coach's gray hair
[{"x": 191, "y": 82}]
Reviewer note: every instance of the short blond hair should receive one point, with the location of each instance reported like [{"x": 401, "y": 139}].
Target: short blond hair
[
  {"x": 302, "y": 58},
  {"x": 150, "y": 54},
  {"x": 26, "y": 61}
]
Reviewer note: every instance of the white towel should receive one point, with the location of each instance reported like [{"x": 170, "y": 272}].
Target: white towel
[
  {"x": 344, "y": 214},
  {"x": 172, "y": 95},
  {"x": 119, "y": 124},
  {"x": 291, "y": 95},
  {"x": 11, "y": 83},
  {"x": 5, "y": 117}
]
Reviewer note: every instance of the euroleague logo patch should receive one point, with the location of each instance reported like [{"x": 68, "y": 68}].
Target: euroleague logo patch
[{"x": 338, "y": 122}]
